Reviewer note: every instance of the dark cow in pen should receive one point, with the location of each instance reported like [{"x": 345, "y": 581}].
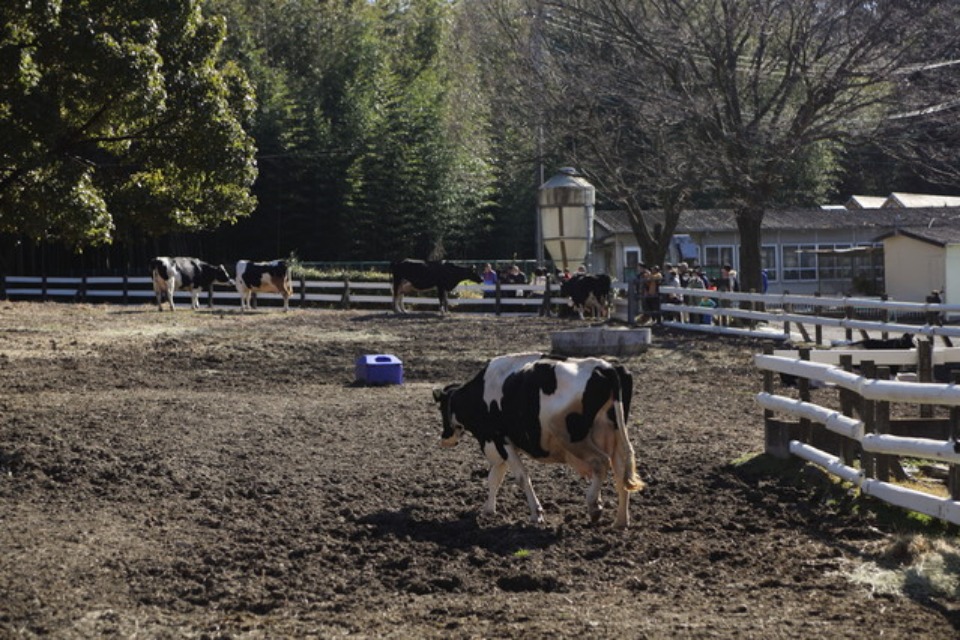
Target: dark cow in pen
[
  {"x": 185, "y": 274},
  {"x": 906, "y": 341},
  {"x": 417, "y": 275},
  {"x": 263, "y": 277},
  {"x": 571, "y": 411},
  {"x": 588, "y": 291}
]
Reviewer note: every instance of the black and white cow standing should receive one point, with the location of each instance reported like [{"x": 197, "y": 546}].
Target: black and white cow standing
[
  {"x": 572, "y": 411},
  {"x": 185, "y": 274},
  {"x": 417, "y": 275},
  {"x": 588, "y": 291},
  {"x": 263, "y": 277}
]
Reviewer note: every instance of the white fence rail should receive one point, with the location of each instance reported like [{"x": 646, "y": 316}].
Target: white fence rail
[
  {"x": 138, "y": 289},
  {"x": 783, "y": 310},
  {"x": 879, "y": 440}
]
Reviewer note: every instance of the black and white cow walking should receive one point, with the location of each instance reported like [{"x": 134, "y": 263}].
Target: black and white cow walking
[
  {"x": 572, "y": 411},
  {"x": 417, "y": 275},
  {"x": 263, "y": 277},
  {"x": 185, "y": 274}
]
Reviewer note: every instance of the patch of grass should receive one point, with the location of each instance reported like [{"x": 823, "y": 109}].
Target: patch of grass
[{"x": 521, "y": 553}]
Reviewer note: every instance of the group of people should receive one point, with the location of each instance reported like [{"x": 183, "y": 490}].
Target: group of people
[
  {"x": 513, "y": 275},
  {"x": 651, "y": 279}
]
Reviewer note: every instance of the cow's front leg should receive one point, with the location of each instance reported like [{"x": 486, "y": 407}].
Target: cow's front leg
[
  {"x": 195, "y": 299},
  {"x": 498, "y": 471},
  {"x": 520, "y": 473},
  {"x": 594, "y": 504}
]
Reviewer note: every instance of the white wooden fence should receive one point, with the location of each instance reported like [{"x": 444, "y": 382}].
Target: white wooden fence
[
  {"x": 506, "y": 298},
  {"x": 862, "y": 429},
  {"x": 772, "y": 316}
]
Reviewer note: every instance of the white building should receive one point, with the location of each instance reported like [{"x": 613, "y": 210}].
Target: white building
[
  {"x": 918, "y": 260},
  {"x": 804, "y": 250}
]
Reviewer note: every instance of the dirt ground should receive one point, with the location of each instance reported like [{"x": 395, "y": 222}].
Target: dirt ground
[{"x": 216, "y": 475}]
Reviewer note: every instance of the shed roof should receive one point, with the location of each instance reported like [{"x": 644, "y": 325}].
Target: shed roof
[
  {"x": 940, "y": 236},
  {"x": 866, "y": 202},
  {"x": 899, "y": 199}
]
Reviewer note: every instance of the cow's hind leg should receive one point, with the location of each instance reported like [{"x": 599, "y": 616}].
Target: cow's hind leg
[
  {"x": 442, "y": 295},
  {"x": 170, "y": 289},
  {"x": 623, "y": 508},
  {"x": 598, "y": 474},
  {"x": 398, "y": 299}
]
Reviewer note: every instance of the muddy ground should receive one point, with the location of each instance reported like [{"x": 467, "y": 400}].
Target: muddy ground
[{"x": 216, "y": 475}]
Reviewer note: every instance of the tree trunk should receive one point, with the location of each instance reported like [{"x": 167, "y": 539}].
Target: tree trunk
[{"x": 749, "y": 223}]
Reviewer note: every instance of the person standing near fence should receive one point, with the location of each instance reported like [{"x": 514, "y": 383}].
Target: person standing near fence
[
  {"x": 728, "y": 282},
  {"x": 513, "y": 275},
  {"x": 489, "y": 281},
  {"x": 694, "y": 282},
  {"x": 670, "y": 279},
  {"x": 650, "y": 289}
]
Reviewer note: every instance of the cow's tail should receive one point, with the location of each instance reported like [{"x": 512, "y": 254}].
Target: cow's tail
[
  {"x": 624, "y": 460},
  {"x": 155, "y": 267}
]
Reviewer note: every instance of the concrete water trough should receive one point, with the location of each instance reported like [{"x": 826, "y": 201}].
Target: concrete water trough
[{"x": 601, "y": 341}]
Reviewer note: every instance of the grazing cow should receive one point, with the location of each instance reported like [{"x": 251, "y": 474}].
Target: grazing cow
[
  {"x": 588, "y": 291},
  {"x": 263, "y": 277},
  {"x": 571, "y": 411},
  {"x": 185, "y": 274},
  {"x": 417, "y": 275}
]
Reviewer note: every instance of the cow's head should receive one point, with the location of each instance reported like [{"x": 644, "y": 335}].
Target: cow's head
[{"x": 452, "y": 430}]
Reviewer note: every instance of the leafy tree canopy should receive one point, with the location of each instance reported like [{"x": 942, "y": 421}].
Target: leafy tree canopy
[{"x": 119, "y": 117}]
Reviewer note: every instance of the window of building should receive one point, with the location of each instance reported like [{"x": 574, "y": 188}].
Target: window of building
[
  {"x": 768, "y": 261},
  {"x": 631, "y": 258},
  {"x": 718, "y": 255},
  {"x": 799, "y": 262},
  {"x": 835, "y": 267}
]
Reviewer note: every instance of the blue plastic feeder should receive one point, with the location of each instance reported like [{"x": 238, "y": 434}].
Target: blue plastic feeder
[{"x": 379, "y": 369}]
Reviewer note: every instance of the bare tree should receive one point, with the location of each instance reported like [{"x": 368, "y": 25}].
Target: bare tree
[{"x": 734, "y": 97}]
